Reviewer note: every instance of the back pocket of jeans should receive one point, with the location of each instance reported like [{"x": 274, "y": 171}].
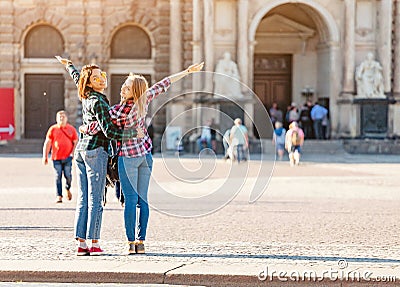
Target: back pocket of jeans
[{"x": 94, "y": 152}]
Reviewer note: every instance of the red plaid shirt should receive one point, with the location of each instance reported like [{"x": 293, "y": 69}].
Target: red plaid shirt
[{"x": 125, "y": 115}]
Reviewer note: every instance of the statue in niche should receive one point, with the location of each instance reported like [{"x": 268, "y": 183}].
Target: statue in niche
[
  {"x": 227, "y": 85},
  {"x": 369, "y": 79}
]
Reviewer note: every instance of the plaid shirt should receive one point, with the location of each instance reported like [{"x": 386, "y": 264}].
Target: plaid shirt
[
  {"x": 125, "y": 115},
  {"x": 96, "y": 108}
]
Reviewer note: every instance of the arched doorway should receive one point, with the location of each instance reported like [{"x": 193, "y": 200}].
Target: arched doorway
[
  {"x": 131, "y": 51},
  {"x": 294, "y": 54},
  {"x": 43, "y": 90}
]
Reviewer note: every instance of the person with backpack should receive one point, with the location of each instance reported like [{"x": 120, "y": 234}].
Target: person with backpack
[{"x": 293, "y": 143}]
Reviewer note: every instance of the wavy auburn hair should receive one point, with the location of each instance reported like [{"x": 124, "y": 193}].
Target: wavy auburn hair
[
  {"x": 84, "y": 80},
  {"x": 139, "y": 88}
]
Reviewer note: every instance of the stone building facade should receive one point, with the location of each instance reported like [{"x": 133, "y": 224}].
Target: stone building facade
[{"x": 286, "y": 50}]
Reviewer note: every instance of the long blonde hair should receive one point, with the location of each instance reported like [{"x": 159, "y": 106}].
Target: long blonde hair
[
  {"x": 139, "y": 88},
  {"x": 84, "y": 80}
]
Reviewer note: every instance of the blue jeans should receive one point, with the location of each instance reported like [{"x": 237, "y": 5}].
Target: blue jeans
[
  {"x": 241, "y": 156},
  {"x": 200, "y": 143},
  {"x": 63, "y": 166},
  {"x": 134, "y": 174},
  {"x": 318, "y": 129},
  {"x": 91, "y": 171}
]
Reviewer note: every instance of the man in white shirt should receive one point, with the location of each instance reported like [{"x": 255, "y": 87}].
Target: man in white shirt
[{"x": 239, "y": 140}]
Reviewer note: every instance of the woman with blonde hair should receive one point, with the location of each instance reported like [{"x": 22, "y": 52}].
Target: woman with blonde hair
[
  {"x": 135, "y": 159},
  {"x": 91, "y": 154}
]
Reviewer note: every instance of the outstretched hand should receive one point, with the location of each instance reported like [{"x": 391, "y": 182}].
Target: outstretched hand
[
  {"x": 195, "y": 67},
  {"x": 63, "y": 61}
]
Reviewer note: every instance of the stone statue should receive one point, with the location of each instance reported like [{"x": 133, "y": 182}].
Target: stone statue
[
  {"x": 369, "y": 79},
  {"x": 225, "y": 85}
]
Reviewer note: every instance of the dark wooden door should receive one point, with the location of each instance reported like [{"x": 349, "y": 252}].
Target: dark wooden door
[
  {"x": 44, "y": 96},
  {"x": 273, "y": 79},
  {"x": 116, "y": 82}
]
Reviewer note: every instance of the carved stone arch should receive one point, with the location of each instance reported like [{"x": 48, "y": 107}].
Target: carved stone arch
[
  {"x": 324, "y": 20},
  {"x": 120, "y": 19},
  {"x": 25, "y": 21},
  {"x": 120, "y": 27},
  {"x": 33, "y": 43}
]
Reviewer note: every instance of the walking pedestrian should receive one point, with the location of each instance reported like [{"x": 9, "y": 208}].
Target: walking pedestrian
[
  {"x": 239, "y": 140},
  {"x": 226, "y": 141},
  {"x": 61, "y": 140},
  {"x": 205, "y": 138},
  {"x": 293, "y": 143},
  {"x": 279, "y": 139}
]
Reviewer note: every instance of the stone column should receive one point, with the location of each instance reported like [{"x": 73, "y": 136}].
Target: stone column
[
  {"x": 243, "y": 41},
  {"x": 196, "y": 31},
  {"x": 394, "y": 110},
  {"x": 94, "y": 22},
  {"x": 175, "y": 56},
  {"x": 396, "y": 76},
  {"x": 175, "y": 40},
  {"x": 7, "y": 48},
  {"x": 197, "y": 57},
  {"x": 197, "y": 44},
  {"x": 385, "y": 41},
  {"x": 10, "y": 74},
  {"x": 208, "y": 40},
  {"x": 349, "y": 48}
]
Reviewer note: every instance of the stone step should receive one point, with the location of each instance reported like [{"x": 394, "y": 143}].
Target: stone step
[
  {"x": 21, "y": 146},
  {"x": 353, "y": 146},
  {"x": 313, "y": 147},
  {"x": 372, "y": 146}
]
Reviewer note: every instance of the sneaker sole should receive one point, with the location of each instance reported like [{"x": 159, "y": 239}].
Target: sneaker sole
[
  {"x": 83, "y": 254},
  {"x": 96, "y": 253}
]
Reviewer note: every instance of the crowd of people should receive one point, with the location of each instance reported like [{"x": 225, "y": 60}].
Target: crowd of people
[
  {"x": 235, "y": 140},
  {"x": 307, "y": 122},
  {"x": 313, "y": 119}
]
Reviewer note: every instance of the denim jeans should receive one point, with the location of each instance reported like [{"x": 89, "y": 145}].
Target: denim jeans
[
  {"x": 318, "y": 129},
  {"x": 200, "y": 143},
  {"x": 134, "y": 174},
  {"x": 240, "y": 154},
  {"x": 63, "y": 166},
  {"x": 91, "y": 171}
]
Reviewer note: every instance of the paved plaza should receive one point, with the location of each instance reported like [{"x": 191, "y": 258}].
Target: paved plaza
[{"x": 332, "y": 215}]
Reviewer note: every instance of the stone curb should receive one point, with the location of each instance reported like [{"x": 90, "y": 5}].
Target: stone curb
[{"x": 174, "y": 279}]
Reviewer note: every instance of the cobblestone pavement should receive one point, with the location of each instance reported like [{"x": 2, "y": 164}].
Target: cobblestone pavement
[{"x": 314, "y": 214}]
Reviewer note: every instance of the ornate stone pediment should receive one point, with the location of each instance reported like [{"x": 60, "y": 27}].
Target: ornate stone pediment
[{"x": 279, "y": 26}]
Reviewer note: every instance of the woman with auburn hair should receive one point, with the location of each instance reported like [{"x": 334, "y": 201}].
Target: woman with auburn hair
[
  {"x": 135, "y": 159},
  {"x": 91, "y": 154}
]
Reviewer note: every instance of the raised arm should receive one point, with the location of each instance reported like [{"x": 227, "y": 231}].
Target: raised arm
[
  {"x": 73, "y": 72},
  {"x": 192, "y": 68},
  {"x": 163, "y": 85}
]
